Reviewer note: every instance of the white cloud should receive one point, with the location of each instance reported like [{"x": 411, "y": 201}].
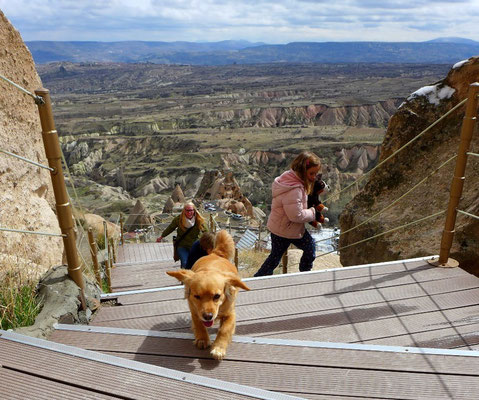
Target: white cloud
[{"x": 271, "y": 21}]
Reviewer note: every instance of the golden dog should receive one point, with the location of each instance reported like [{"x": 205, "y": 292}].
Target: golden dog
[{"x": 211, "y": 287}]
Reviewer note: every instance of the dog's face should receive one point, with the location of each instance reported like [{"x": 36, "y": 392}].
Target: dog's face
[
  {"x": 209, "y": 293},
  {"x": 320, "y": 186}
]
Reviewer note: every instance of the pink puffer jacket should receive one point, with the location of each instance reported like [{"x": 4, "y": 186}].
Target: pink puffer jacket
[{"x": 289, "y": 209}]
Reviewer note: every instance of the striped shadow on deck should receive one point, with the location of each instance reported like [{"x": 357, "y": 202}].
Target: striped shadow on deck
[
  {"x": 406, "y": 303},
  {"x": 38, "y": 369},
  {"x": 400, "y": 329},
  {"x": 310, "y": 370}
]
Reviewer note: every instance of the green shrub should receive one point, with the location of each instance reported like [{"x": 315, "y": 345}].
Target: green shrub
[
  {"x": 18, "y": 304},
  {"x": 100, "y": 241}
]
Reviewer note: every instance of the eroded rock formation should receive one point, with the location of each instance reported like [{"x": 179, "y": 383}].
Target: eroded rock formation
[
  {"x": 26, "y": 197},
  {"x": 176, "y": 201},
  {"x": 406, "y": 169},
  {"x": 224, "y": 188}
]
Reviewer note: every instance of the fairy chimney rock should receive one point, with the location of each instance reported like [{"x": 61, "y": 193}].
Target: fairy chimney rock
[
  {"x": 225, "y": 189},
  {"x": 177, "y": 196},
  {"x": 138, "y": 218},
  {"x": 169, "y": 205}
]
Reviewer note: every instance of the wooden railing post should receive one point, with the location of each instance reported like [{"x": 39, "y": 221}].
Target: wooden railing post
[
  {"x": 110, "y": 253},
  {"x": 236, "y": 258},
  {"x": 108, "y": 274},
  {"x": 212, "y": 224},
  {"x": 94, "y": 257},
  {"x": 63, "y": 206},
  {"x": 113, "y": 252},
  {"x": 259, "y": 235},
  {"x": 284, "y": 262},
  {"x": 121, "y": 229},
  {"x": 458, "y": 179}
]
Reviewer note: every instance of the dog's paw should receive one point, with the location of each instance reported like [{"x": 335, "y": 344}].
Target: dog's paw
[
  {"x": 218, "y": 353},
  {"x": 202, "y": 343}
]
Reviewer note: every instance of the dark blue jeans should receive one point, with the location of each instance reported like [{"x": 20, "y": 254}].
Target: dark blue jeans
[
  {"x": 183, "y": 254},
  {"x": 278, "y": 247}
]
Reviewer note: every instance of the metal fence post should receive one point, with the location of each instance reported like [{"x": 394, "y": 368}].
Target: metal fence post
[
  {"x": 63, "y": 206},
  {"x": 458, "y": 179}
]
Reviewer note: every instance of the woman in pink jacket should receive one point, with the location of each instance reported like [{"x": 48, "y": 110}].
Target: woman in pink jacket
[{"x": 289, "y": 213}]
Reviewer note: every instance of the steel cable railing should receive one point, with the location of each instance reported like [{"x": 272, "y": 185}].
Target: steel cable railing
[
  {"x": 37, "y": 99},
  {"x": 26, "y": 160},
  {"x": 394, "y": 202},
  {"x": 31, "y": 232},
  {"x": 63, "y": 206},
  {"x": 386, "y": 232},
  {"x": 468, "y": 214},
  {"x": 397, "y": 151},
  {"x": 390, "y": 205}
]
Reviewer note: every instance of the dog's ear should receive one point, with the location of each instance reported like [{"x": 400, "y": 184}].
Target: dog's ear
[
  {"x": 183, "y": 275},
  {"x": 237, "y": 282}
]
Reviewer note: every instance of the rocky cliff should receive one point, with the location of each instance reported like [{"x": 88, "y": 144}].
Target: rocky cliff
[
  {"x": 26, "y": 197},
  {"x": 371, "y": 115},
  {"x": 408, "y": 167}
]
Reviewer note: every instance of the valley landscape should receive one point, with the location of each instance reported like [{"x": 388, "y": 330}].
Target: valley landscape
[{"x": 134, "y": 131}]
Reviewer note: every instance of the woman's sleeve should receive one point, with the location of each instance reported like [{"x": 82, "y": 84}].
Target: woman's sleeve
[
  {"x": 293, "y": 207},
  {"x": 170, "y": 228}
]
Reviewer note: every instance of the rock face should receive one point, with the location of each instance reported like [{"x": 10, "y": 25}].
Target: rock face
[
  {"x": 26, "y": 197},
  {"x": 372, "y": 115},
  {"x": 407, "y": 168}
]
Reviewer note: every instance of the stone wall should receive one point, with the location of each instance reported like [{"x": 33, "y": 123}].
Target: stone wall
[{"x": 26, "y": 195}]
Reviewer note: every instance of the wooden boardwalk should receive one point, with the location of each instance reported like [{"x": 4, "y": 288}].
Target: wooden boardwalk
[{"x": 392, "y": 330}]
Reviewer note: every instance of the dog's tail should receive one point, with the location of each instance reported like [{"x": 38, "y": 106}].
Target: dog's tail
[{"x": 224, "y": 245}]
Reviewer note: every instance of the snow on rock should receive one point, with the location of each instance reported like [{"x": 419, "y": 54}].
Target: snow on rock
[
  {"x": 459, "y": 64},
  {"x": 433, "y": 93}
]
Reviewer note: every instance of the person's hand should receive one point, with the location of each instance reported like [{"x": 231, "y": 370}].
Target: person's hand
[{"x": 158, "y": 240}]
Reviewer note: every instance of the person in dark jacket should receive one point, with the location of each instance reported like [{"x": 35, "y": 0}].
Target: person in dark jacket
[
  {"x": 200, "y": 248},
  {"x": 189, "y": 225}
]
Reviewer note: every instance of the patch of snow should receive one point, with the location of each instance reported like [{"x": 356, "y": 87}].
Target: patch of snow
[
  {"x": 433, "y": 93},
  {"x": 459, "y": 64}
]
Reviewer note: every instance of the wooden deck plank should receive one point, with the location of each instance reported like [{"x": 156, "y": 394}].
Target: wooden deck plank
[
  {"x": 19, "y": 385},
  {"x": 311, "y": 288},
  {"x": 306, "y": 355},
  {"x": 306, "y": 299},
  {"x": 405, "y": 327},
  {"x": 144, "y": 276},
  {"x": 305, "y": 371},
  {"x": 414, "y": 304},
  {"x": 99, "y": 376},
  {"x": 408, "y": 303},
  {"x": 354, "y": 280},
  {"x": 141, "y": 252}
]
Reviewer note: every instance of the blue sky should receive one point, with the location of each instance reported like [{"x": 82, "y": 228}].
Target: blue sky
[{"x": 269, "y": 21}]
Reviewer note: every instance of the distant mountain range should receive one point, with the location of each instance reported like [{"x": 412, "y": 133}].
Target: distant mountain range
[{"x": 438, "y": 51}]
